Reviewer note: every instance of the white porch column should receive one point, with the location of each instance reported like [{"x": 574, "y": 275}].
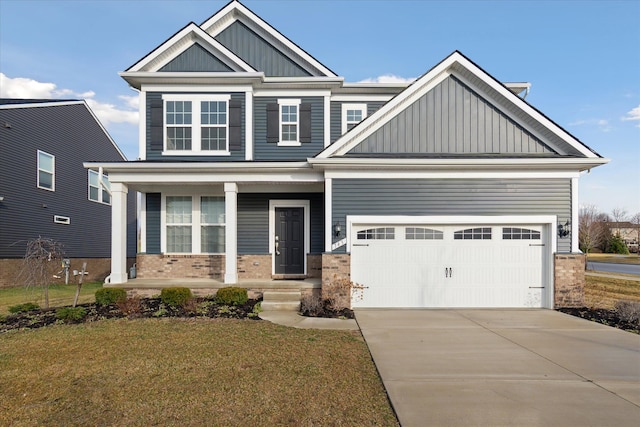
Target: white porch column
[
  {"x": 231, "y": 232},
  {"x": 118, "y": 233},
  {"x": 575, "y": 221}
]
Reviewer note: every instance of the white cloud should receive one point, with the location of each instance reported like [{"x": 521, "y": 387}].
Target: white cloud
[
  {"x": 633, "y": 115},
  {"x": 602, "y": 124},
  {"x": 20, "y": 87},
  {"x": 388, "y": 78}
]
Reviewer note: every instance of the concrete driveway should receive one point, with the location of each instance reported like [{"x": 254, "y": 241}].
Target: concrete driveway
[{"x": 504, "y": 368}]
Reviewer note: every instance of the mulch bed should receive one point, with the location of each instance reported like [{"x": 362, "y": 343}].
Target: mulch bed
[
  {"x": 606, "y": 317},
  {"x": 148, "y": 307}
]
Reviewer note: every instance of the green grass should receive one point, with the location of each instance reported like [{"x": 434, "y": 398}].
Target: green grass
[
  {"x": 613, "y": 258},
  {"x": 59, "y": 295},
  {"x": 174, "y": 372}
]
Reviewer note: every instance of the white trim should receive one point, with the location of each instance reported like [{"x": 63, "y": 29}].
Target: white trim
[
  {"x": 328, "y": 214},
  {"x": 575, "y": 221},
  {"x": 142, "y": 221},
  {"x": 59, "y": 219},
  {"x": 51, "y": 103},
  {"x": 276, "y": 203},
  {"x": 289, "y": 102},
  {"x": 282, "y": 93},
  {"x": 142, "y": 128},
  {"x": 202, "y": 90},
  {"x": 327, "y": 121},
  {"x": 355, "y": 107},
  {"x": 231, "y": 232},
  {"x": 53, "y": 172},
  {"x": 360, "y": 98},
  {"x": 118, "y": 233},
  {"x": 394, "y": 174},
  {"x": 247, "y": 17},
  {"x": 248, "y": 126}
]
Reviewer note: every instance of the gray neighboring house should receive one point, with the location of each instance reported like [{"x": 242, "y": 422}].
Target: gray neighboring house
[
  {"x": 45, "y": 190},
  {"x": 257, "y": 162}
]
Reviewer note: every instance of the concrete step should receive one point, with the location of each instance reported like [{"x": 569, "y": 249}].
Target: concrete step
[{"x": 281, "y": 300}]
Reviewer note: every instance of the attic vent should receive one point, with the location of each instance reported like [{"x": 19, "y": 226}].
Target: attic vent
[{"x": 58, "y": 219}]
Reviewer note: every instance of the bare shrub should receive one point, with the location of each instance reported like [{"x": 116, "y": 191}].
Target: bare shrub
[
  {"x": 130, "y": 307},
  {"x": 628, "y": 311},
  {"x": 311, "y": 305},
  {"x": 341, "y": 291},
  {"x": 41, "y": 261}
]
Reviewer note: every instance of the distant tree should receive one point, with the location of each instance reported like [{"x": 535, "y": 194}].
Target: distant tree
[
  {"x": 635, "y": 220},
  {"x": 619, "y": 215},
  {"x": 616, "y": 245},
  {"x": 592, "y": 229}
]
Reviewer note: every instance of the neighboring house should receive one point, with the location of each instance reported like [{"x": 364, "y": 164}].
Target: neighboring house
[
  {"x": 259, "y": 162},
  {"x": 628, "y": 231},
  {"x": 46, "y": 192}
]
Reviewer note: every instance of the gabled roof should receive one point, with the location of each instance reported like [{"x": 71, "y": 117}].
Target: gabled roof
[{"x": 465, "y": 70}]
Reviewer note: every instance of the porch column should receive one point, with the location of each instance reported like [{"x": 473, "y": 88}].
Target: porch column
[
  {"x": 231, "y": 232},
  {"x": 118, "y": 233}
]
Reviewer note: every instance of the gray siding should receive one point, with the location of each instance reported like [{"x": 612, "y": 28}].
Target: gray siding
[
  {"x": 336, "y": 115},
  {"x": 264, "y": 150},
  {"x": 452, "y": 119},
  {"x": 195, "y": 58},
  {"x": 154, "y": 153},
  {"x": 452, "y": 197},
  {"x": 71, "y": 134},
  {"x": 253, "y": 221},
  {"x": 153, "y": 223},
  {"x": 261, "y": 55}
]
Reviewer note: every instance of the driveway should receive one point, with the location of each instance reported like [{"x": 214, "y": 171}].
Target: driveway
[{"x": 504, "y": 367}]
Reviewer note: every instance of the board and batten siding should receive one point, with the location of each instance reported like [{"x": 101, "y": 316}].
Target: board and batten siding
[
  {"x": 195, "y": 59},
  {"x": 442, "y": 197},
  {"x": 153, "y": 223},
  {"x": 264, "y": 150},
  {"x": 155, "y": 132},
  {"x": 336, "y": 115},
  {"x": 452, "y": 119},
  {"x": 253, "y": 221},
  {"x": 260, "y": 54},
  {"x": 72, "y": 135}
]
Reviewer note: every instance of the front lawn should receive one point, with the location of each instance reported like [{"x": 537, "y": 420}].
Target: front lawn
[
  {"x": 615, "y": 259},
  {"x": 59, "y": 295},
  {"x": 188, "y": 372},
  {"x": 603, "y": 292}
]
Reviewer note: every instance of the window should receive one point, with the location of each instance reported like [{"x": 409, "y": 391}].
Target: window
[
  {"x": 99, "y": 193},
  {"x": 512, "y": 233},
  {"x": 473, "y": 234},
  {"x": 196, "y": 124},
  {"x": 179, "y": 218},
  {"x": 289, "y": 115},
  {"x": 352, "y": 114},
  {"x": 46, "y": 171},
  {"x": 212, "y": 223},
  {"x": 418, "y": 233},
  {"x": 195, "y": 224},
  {"x": 382, "y": 233}
]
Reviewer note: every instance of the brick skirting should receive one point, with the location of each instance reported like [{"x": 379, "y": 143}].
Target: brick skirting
[
  {"x": 153, "y": 266},
  {"x": 569, "y": 280}
]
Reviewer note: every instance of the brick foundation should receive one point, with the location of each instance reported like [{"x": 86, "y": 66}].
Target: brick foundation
[
  {"x": 98, "y": 269},
  {"x": 336, "y": 267},
  {"x": 180, "y": 266},
  {"x": 569, "y": 280},
  {"x": 314, "y": 266},
  {"x": 254, "y": 267}
]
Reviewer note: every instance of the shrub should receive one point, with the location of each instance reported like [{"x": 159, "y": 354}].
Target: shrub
[
  {"x": 176, "y": 296},
  {"x": 628, "y": 311},
  {"x": 108, "y": 296},
  {"x": 615, "y": 245},
  {"x": 71, "y": 314},
  {"x": 311, "y": 305},
  {"x": 232, "y": 295},
  {"x": 130, "y": 307},
  {"x": 27, "y": 306}
]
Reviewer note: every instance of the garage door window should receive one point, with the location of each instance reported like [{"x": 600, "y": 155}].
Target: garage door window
[
  {"x": 382, "y": 233},
  {"x": 510, "y": 233},
  {"x": 419, "y": 233},
  {"x": 482, "y": 233}
]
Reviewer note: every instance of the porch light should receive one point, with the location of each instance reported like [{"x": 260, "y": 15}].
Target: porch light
[
  {"x": 337, "y": 229},
  {"x": 564, "y": 230}
]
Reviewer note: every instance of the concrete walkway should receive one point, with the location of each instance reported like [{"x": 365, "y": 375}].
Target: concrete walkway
[
  {"x": 294, "y": 320},
  {"x": 504, "y": 368}
]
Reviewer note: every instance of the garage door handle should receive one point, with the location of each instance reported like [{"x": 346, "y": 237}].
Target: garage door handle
[
  {"x": 536, "y": 244},
  {"x": 360, "y": 244},
  {"x": 536, "y": 287},
  {"x": 448, "y": 272}
]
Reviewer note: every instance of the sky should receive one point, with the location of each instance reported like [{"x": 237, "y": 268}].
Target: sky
[{"x": 581, "y": 57}]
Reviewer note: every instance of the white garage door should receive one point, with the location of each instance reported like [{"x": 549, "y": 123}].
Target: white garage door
[{"x": 448, "y": 266}]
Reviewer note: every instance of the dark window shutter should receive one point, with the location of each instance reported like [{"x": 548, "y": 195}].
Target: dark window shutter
[
  {"x": 156, "y": 119},
  {"x": 305, "y": 122},
  {"x": 273, "y": 123},
  {"x": 235, "y": 125}
]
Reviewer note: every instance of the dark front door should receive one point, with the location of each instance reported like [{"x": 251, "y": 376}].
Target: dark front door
[{"x": 289, "y": 241}]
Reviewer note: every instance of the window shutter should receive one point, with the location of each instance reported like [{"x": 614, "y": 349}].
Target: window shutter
[
  {"x": 305, "y": 123},
  {"x": 273, "y": 123},
  {"x": 235, "y": 125},
  {"x": 156, "y": 122}
]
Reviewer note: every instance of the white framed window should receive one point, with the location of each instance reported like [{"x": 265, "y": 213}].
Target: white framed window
[
  {"x": 381, "y": 233},
  {"x": 289, "y": 112},
  {"x": 196, "y": 124},
  {"x": 352, "y": 114},
  {"x": 193, "y": 224},
  {"x": 46, "y": 171},
  {"x": 99, "y": 193}
]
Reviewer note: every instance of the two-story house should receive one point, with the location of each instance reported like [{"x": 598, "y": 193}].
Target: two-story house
[
  {"x": 259, "y": 162},
  {"x": 45, "y": 191}
]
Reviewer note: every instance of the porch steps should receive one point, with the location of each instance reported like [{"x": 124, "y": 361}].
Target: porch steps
[{"x": 281, "y": 300}]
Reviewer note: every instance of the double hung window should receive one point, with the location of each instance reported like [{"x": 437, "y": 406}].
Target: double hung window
[
  {"x": 352, "y": 114},
  {"x": 99, "y": 193},
  {"x": 46, "y": 171},
  {"x": 289, "y": 121},
  {"x": 194, "y": 224}
]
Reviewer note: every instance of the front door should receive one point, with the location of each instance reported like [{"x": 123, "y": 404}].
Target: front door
[{"x": 289, "y": 241}]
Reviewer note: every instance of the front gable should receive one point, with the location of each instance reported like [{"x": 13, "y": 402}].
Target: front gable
[{"x": 196, "y": 59}]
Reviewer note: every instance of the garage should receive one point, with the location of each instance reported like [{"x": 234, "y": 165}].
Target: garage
[{"x": 445, "y": 265}]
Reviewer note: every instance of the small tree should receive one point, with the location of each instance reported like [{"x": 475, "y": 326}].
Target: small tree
[
  {"x": 42, "y": 259},
  {"x": 619, "y": 215},
  {"x": 592, "y": 231}
]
